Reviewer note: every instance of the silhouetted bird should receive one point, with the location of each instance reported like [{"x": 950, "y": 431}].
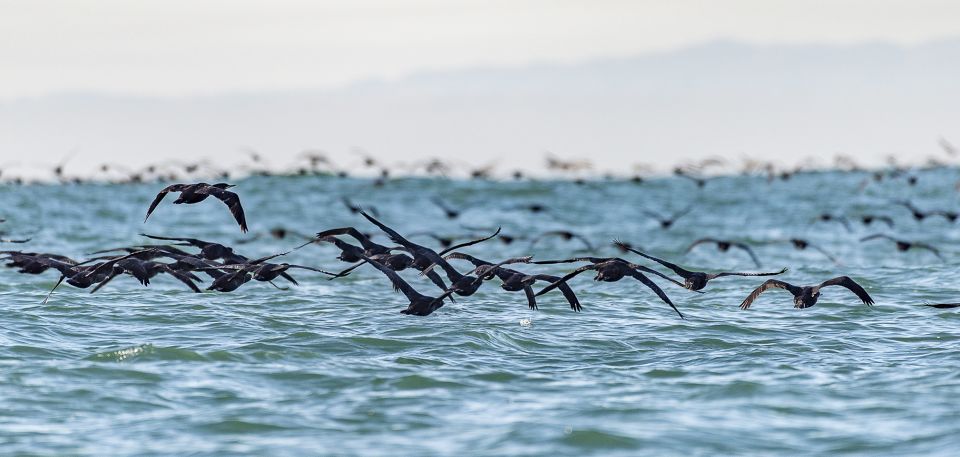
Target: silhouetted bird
[
  {"x": 196, "y": 193},
  {"x": 904, "y": 246},
  {"x": 667, "y": 221},
  {"x": 693, "y": 280},
  {"x": 514, "y": 280},
  {"x": 612, "y": 270},
  {"x": 565, "y": 235},
  {"x": 920, "y": 215},
  {"x": 807, "y": 296},
  {"x": 420, "y": 305},
  {"x": 724, "y": 246}
]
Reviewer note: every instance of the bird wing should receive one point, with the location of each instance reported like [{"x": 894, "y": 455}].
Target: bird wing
[
  {"x": 749, "y": 251},
  {"x": 851, "y": 285},
  {"x": 159, "y": 197},
  {"x": 470, "y": 243},
  {"x": 565, "y": 289},
  {"x": 571, "y": 260},
  {"x": 232, "y": 200},
  {"x": 718, "y": 275},
  {"x": 637, "y": 267},
  {"x": 769, "y": 284},
  {"x": 930, "y": 248},
  {"x": 876, "y": 236},
  {"x": 302, "y": 267},
  {"x": 676, "y": 269},
  {"x": 701, "y": 241},
  {"x": 193, "y": 241},
  {"x": 566, "y": 278},
  {"x": 531, "y": 297},
  {"x": 656, "y": 289},
  {"x": 398, "y": 283},
  {"x": 181, "y": 277},
  {"x": 394, "y": 236}
]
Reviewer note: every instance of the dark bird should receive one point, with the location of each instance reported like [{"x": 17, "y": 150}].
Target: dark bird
[
  {"x": 827, "y": 217},
  {"x": 355, "y": 209},
  {"x": 612, "y": 270},
  {"x": 902, "y": 245},
  {"x": 196, "y": 193},
  {"x": 802, "y": 245},
  {"x": 565, "y": 235},
  {"x": 807, "y": 296},
  {"x": 920, "y": 215},
  {"x": 420, "y": 305},
  {"x": 514, "y": 281},
  {"x": 142, "y": 270},
  {"x": 724, "y": 246},
  {"x": 869, "y": 219},
  {"x": 450, "y": 212},
  {"x": 208, "y": 249},
  {"x": 424, "y": 257},
  {"x": 693, "y": 280},
  {"x": 667, "y": 221}
]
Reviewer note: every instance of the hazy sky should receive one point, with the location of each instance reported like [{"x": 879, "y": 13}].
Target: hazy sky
[{"x": 185, "y": 47}]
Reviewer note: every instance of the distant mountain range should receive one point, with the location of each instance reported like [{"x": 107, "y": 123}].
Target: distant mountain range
[{"x": 722, "y": 98}]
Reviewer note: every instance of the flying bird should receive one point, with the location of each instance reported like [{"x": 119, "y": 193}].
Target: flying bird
[
  {"x": 196, "y": 193},
  {"x": 904, "y": 246},
  {"x": 807, "y": 296},
  {"x": 565, "y": 235},
  {"x": 722, "y": 246},
  {"x": 693, "y": 280},
  {"x": 667, "y": 221}
]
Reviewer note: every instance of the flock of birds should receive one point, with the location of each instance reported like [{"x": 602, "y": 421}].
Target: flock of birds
[{"x": 230, "y": 270}]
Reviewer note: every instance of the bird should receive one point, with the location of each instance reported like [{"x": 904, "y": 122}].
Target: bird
[
  {"x": 692, "y": 280},
  {"x": 420, "y": 305},
  {"x": 868, "y": 219},
  {"x": 920, "y": 215},
  {"x": 514, "y": 280},
  {"x": 667, "y": 221},
  {"x": 802, "y": 245},
  {"x": 196, "y": 193},
  {"x": 807, "y": 296},
  {"x": 449, "y": 211},
  {"x": 424, "y": 257},
  {"x": 612, "y": 269},
  {"x": 827, "y": 217},
  {"x": 355, "y": 209},
  {"x": 8, "y": 240},
  {"x": 565, "y": 235},
  {"x": 902, "y": 245},
  {"x": 723, "y": 246},
  {"x": 208, "y": 249}
]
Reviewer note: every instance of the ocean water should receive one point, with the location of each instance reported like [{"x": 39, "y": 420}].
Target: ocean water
[{"x": 333, "y": 368}]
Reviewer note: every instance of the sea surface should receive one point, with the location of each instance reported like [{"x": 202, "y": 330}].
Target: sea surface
[{"x": 333, "y": 368}]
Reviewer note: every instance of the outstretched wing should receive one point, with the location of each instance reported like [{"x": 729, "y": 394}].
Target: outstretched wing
[
  {"x": 470, "y": 243},
  {"x": 769, "y": 284},
  {"x": 531, "y": 297},
  {"x": 701, "y": 241},
  {"x": 676, "y": 269},
  {"x": 749, "y": 251},
  {"x": 565, "y": 289},
  {"x": 350, "y": 231},
  {"x": 159, "y": 197},
  {"x": 195, "y": 242},
  {"x": 566, "y": 278},
  {"x": 232, "y": 200},
  {"x": 313, "y": 269},
  {"x": 850, "y": 284},
  {"x": 876, "y": 236},
  {"x": 930, "y": 248},
  {"x": 656, "y": 289},
  {"x": 398, "y": 283},
  {"x": 726, "y": 273}
]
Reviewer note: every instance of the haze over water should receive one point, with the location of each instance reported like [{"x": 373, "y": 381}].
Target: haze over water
[{"x": 333, "y": 368}]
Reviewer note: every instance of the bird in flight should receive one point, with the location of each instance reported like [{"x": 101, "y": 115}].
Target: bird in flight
[
  {"x": 196, "y": 193},
  {"x": 807, "y": 296}
]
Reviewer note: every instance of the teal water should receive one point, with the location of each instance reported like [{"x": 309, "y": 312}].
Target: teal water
[{"x": 333, "y": 368}]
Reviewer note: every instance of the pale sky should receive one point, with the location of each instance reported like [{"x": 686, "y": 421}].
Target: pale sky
[{"x": 189, "y": 47}]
